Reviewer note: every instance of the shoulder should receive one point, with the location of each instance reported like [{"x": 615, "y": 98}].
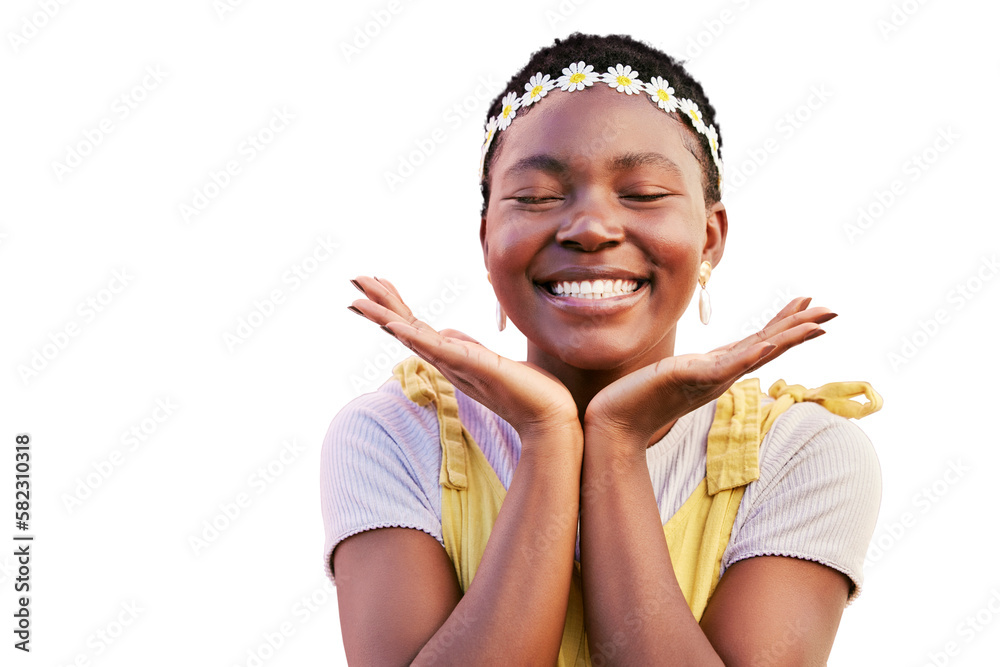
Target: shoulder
[
  {"x": 809, "y": 435},
  {"x": 817, "y": 497},
  {"x": 380, "y": 420},
  {"x": 379, "y": 467}
]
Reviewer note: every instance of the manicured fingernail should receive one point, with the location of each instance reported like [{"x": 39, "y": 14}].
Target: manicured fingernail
[
  {"x": 825, "y": 318},
  {"x": 355, "y": 310},
  {"x": 358, "y": 285},
  {"x": 814, "y": 334},
  {"x": 387, "y": 330}
]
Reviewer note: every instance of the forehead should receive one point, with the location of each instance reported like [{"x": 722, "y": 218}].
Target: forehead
[{"x": 596, "y": 127}]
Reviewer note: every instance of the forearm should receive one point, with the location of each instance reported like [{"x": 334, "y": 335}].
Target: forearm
[
  {"x": 515, "y": 608},
  {"x": 635, "y": 610}
]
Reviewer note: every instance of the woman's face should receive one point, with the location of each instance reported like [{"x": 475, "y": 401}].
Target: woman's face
[{"x": 597, "y": 185}]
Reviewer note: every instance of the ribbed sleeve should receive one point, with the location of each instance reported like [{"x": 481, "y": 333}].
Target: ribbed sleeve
[
  {"x": 817, "y": 497},
  {"x": 379, "y": 469}
]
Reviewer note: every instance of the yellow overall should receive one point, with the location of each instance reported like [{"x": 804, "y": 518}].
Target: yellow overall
[{"x": 697, "y": 535}]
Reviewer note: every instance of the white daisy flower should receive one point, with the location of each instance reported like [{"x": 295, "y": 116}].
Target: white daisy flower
[
  {"x": 661, "y": 93},
  {"x": 577, "y": 77},
  {"x": 713, "y": 141},
  {"x": 537, "y": 87},
  {"x": 508, "y": 109},
  {"x": 690, "y": 109},
  {"x": 624, "y": 79},
  {"x": 491, "y": 131}
]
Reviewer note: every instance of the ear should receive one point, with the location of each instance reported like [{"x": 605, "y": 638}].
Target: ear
[
  {"x": 485, "y": 244},
  {"x": 716, "y": 228}
]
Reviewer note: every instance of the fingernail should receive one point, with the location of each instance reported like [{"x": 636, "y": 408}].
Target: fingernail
[
  {"x": 355, "y": 310},
  {"x": 387, "y": 330},
  {"x": 358, "y": 285},
  {"x": 825, "y": 318},
  {"x": 814, "y": 334}
]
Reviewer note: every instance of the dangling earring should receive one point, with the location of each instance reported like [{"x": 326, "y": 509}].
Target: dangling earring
[
  {"x": 501, "y": 316},
  {"x": 704, "y": 303}
]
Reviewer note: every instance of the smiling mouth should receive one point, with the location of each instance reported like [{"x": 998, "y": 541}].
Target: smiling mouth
[{"x": 593, "y": 289}]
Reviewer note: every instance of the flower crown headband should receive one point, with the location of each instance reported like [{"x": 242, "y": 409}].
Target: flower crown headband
[{"x": 622, "y": 78}]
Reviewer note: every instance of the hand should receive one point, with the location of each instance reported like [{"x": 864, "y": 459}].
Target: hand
[
  {"x": 531, "y": 400},
  {"x": 642, "y": 402}
]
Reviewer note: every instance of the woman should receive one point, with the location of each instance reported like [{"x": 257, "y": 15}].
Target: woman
[{"x": 602, "y": 212}]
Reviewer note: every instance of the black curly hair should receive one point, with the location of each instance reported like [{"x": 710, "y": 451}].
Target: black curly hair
[{"x": 604, "y": 52}]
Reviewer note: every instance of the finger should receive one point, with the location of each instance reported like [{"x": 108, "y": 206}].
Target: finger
[
  {"x": 736, "y": 362},
  {"x": 817, "y": 315},
  {"x": 380, "y": 315},
  {"x": 387, "y": 297},
  {"x": 796, "y": 305},
  {"x": 454, "y": 333},
  {"x": 382, "y": 295},
  {"x": 389, "y": 286},
  {"x": 786, "y": 341}
]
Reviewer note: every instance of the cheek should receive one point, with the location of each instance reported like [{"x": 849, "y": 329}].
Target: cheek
[
  {"x": 677, "y": 254},
  {"x": 512, "y": 245}
]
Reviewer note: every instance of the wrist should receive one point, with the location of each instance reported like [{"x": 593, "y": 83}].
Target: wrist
[
  {"x": 558, "y": 442},
  {"x": 614, "y": 445}
]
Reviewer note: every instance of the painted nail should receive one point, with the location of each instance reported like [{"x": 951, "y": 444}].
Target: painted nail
[
  {"x": 355, "y": 310},
  {"x": 815, "y": 334},
  {"x": 387, "y": 330},
  {"x": 358, "y": 285},
  {"x": 825, "y": 318}
]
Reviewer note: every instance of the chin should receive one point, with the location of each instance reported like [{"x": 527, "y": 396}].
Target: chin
[{"x": 592, "y": 356}]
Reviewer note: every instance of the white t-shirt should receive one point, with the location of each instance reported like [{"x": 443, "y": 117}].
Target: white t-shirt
[{"x": 817, "y": 497}]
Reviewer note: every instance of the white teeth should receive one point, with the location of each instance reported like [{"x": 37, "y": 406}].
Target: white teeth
[{"x": 594, "y": 289}]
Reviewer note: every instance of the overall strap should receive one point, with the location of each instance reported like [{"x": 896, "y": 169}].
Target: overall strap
[
  {"x": 698, "y": 534},
  {"x": 423, "y": 384},
  {"x": 471, "y": 495}
]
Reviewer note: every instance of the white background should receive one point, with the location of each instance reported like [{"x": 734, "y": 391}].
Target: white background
[{"x": 189, "y": 283}]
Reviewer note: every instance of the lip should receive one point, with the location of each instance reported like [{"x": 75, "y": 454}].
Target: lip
[{"x": 606, "y": 306}]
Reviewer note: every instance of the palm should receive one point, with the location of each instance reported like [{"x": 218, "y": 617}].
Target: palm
[{"x": 528, "y": 398}]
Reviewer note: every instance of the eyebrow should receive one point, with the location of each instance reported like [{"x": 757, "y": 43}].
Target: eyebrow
[
  {"x": 553, "y": 165},
  {"x": 541, "y": 162},
  {"x": 649, "y": 159}
]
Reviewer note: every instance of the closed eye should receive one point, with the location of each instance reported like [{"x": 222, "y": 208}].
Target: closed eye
[
  {"x": 645, "y": 197},
  {"x": 534, "y": 200}
]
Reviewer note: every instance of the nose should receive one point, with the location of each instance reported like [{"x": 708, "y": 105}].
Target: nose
[{"x": 590, "y": 226}]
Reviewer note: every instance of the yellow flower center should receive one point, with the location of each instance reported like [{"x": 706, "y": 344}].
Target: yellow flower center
[
  {"x": 663, "y": 95},
  {"x": 506, "y": 111},
  {"x": 624, "y": 81},
  {"x": 694, "y": 115},
  {"x": 578, "y": 77},
  {"x": 535, "y": 91}
]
